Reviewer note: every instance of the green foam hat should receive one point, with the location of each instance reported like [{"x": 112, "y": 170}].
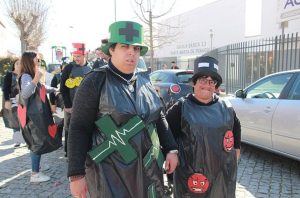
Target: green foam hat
[{"x": 125, "y": 32}]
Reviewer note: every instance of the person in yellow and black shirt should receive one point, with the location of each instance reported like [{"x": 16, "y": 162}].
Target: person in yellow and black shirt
[{"x": 71, "y": 78}]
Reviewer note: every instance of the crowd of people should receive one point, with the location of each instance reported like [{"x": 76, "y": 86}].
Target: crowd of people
[{"x": 118, "y": 141}]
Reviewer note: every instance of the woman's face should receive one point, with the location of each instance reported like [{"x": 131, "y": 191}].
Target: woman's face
[
  {"x": 17, "y": 67},
  {"x": 37, "y": 61},
  {"x": 204, "y": 89}
]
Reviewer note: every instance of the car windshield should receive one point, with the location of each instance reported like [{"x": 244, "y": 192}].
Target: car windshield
[
  {"x": 184, "y": 77},
  {"x": 52, "y": 67},
  {"x": 272, "y": 85},
  {"x": 141, "y": 64}
]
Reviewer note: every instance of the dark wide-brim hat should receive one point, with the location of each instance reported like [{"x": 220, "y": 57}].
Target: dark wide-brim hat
[
  {"x": 206, "y": 66},
  {"x": 125, "y": 32}
]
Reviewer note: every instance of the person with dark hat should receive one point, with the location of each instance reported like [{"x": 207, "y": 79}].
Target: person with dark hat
[
  {"x": 118, "y": 134},
  {"x": 209, "y": 136},
  {"x": 101, "y": 57},
  {"x": 71, "y": 77}
]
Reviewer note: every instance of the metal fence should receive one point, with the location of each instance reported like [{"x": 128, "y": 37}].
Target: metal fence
[{"x": 243, "y": 63}]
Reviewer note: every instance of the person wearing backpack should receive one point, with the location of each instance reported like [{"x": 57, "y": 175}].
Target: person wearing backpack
[{"x": 10, "y": 91}]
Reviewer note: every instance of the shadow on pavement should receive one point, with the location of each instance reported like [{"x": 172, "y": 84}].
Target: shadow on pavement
[{"x": 15, "y": 170}]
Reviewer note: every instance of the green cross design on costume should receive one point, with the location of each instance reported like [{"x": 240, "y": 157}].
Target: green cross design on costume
[
  {"x": 117, "y": 139},
  {"x": 154, "y": 152},
  {"x": 151, "y": 191},
  {"x": 129, "y": 32}
]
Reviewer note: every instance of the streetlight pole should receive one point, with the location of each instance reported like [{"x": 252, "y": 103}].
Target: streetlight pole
[
  {"x": 151, "y": 41},
  {"x": 149, "y": 7},
  {"x": 211, "y": 37},
  {"x": 115, "y": 10}
]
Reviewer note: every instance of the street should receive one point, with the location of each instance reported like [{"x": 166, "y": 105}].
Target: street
[
  {"x": 263, "y": 174},
  {"x": 260, "y": 173}
]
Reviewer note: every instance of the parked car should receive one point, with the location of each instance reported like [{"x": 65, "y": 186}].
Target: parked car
[
  {"x": 141, "y": 64},
  {"x": 172, "y": 84},
  {"x": 52, "y": 67},
  {"x": 269, "y": 111}
]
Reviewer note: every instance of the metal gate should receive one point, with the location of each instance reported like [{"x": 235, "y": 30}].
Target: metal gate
[{"x": 243, "y": 63}]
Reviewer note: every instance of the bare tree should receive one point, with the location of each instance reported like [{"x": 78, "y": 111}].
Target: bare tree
[
  {"x": 29, "y": 16},
  {"x": 154, "y": 35}
]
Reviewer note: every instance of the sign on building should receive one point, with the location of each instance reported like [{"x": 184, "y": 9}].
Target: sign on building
[{"x": 288, "y": 10}]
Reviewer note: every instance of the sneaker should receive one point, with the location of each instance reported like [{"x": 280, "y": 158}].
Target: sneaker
[
  {"x": 39, "y": 177},
  {"x": 44, "y": 167},
  {"x": 17, "y": 145}
]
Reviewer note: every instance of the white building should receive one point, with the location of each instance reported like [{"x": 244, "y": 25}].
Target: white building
[
  {"x": 225, "y": 22},
  {"x": 3, "y": 49}
]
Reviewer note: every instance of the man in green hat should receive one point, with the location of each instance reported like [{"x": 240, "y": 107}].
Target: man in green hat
[{"x": 118, "y": 134}]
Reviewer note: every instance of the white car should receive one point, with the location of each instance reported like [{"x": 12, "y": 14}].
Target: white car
[{"x": 269, "y": 111}]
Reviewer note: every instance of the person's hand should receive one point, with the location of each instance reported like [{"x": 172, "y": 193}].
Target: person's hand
[
  {"x": 7, "y": 105},
  {"x": 53, "y": 108},
  {"x": 68, "y": 110},
  {"x": 56, "y": 91},
  {"x": 78, "y": 188},
  {"x": 38, "y": 75},
  {"x": 171, "y": 162}
]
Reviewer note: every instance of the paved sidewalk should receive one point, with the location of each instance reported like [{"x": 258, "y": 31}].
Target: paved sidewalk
[
  {"x": 15, "y": 169},
  {"x": 260, "y": 173},
  {"x": 266, "y": 175}
]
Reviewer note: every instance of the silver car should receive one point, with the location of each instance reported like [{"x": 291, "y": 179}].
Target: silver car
[{"x": 269, "y": 111}]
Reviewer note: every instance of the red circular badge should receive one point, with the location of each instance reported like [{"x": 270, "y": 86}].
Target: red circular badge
[
  {"x": 198, "y": 183},
  {"x": 228, "y": 141}
]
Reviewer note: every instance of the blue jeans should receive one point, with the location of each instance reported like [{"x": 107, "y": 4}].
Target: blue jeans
[{"x": 35, "y": 162}]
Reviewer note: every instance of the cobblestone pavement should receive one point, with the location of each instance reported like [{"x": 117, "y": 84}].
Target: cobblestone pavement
[
  {"x": 260, "y": 174},
  {"x": 263, "y": 174},
  {"x": 15, "y": 169}
]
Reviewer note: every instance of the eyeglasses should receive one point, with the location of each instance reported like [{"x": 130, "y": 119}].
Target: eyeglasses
[{"x": 204, "y": 80}]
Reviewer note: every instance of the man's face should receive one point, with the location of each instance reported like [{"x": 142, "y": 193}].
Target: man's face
[
  {"x": 125, "y": 57},
  {"x": 99, "y": 54},
  {"x": 78, "y": 59},
  {"x": 204, "y": 89}
]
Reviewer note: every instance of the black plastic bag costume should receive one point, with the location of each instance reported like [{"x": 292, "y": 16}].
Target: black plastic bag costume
[
  {"x": 40, "y": 132},
  {"x": 10, "y": 117},
  {"x": 134, "y": 167},
  {"x": 208, "y": 164}
]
